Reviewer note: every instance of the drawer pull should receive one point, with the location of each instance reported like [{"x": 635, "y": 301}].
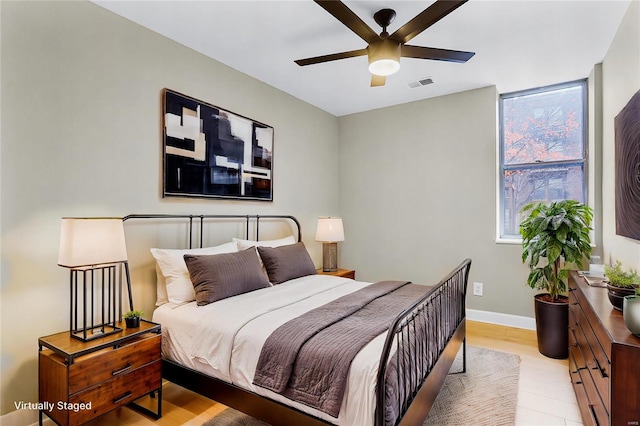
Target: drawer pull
[
  {"x": 602, "y": 372},
  {"x": 594, "y": 416},
  {"x": 122, "y": 370},
  {"x": 122, "y": 398}
]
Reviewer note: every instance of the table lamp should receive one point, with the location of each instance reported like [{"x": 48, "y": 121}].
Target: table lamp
[
  {"x": 329, "y": 232},
  {"x": 93, "y": 249}
]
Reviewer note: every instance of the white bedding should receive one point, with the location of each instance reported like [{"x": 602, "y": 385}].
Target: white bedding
[{"x": 224, "y": 339}]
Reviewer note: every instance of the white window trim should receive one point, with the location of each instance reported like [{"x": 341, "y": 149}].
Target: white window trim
[{"x": 588, "y": 189}]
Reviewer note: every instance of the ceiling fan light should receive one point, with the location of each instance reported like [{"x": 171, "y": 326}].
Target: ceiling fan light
[
  {"x": 384, "y": 57},
  {"x": 384, "y": 67}
]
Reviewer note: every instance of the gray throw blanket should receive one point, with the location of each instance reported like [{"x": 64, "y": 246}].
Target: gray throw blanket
[{"x": 308, "y": 358}]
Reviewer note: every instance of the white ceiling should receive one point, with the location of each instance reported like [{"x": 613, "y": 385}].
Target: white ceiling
[{"x": 519, "y": 44}]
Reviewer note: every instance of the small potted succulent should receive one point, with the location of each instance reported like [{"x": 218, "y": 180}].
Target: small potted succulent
[
  {"x": 631, "y": 312},
  {"x": 132, "y": 318},
  {"x": 620, "y": 283}
]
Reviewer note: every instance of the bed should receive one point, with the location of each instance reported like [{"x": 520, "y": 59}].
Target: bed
[{"x": 218, "y": 345}]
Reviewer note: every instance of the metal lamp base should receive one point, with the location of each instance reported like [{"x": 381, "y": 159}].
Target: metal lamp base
[
  {"x": 329, "y": 257},
  {"x": 95, "y": 302},
  {"x": 88, "y": 334}
]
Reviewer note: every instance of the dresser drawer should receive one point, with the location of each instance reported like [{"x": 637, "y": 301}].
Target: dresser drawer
[
  {"x": 96, "y": 367},
  {"x": 594, "y": 342},
  {"x": 588, "y": 416},
  {"x": 596, "y": 404},
  {"x": 594, "y": 357},
  {"x": 577, "y": 297},
  {"x": 118, "y": 391},
  {"x": 576, "y": 360}
]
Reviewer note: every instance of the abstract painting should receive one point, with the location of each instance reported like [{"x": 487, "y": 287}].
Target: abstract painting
[
  {"x": 214, "y": 153},
  {"x": 627, "y": 134}
]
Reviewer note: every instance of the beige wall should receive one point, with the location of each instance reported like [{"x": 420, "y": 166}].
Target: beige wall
[
  {"x": 418, "y": 195},
  {"x": 620, "y": 81},
  {"x": 81, "y": 135}
]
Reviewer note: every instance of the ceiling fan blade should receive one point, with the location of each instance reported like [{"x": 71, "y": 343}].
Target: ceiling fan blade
[
  {"x": 378, "y": 80},
  {"x": 435, "y": 54},
  {"x": 345, "y": 15},
  {"x": 332, "y": 57},
  {"x": 425, "y": 19}
]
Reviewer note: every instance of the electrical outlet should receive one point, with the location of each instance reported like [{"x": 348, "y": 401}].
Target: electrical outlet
[{"x": 477, "y": 289}]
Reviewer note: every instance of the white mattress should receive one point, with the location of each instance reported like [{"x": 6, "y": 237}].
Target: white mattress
[{"x": 224, "y": 339}]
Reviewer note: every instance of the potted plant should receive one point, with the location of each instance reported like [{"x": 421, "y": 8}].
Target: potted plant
[
  {"x": 620, "y": 283},
  {"x": 631, "y": 312},
  {"x": 132, "y": 318},
  {"x": 555, "y": 240}
]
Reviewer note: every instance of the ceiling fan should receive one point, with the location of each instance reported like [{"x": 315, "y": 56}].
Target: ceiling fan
[{"x": 384, "y": 50}]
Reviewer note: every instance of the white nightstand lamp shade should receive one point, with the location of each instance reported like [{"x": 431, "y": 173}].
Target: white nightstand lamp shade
[
  {"x": 86, "y": 242},
  {"x": 330, "y": 230},
  {"x": 94, "y": 250}
]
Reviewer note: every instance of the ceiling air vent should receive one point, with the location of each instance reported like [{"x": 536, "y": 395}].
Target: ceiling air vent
[{"x": 419, "y": 83}]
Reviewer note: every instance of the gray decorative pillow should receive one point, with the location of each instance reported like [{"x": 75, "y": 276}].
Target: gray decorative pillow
[
  {"x": 219, "y": 276},
  {"x": 286, "y": 262}
]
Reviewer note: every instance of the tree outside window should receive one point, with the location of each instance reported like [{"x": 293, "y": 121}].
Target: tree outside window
[{"x": 543, "y": 149}]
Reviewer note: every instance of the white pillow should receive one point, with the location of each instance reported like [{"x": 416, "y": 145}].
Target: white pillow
[
  {"x": 170, "y": 263},
  {"x": 245, "y": 244},
  {"x": 161, "y": 287}
]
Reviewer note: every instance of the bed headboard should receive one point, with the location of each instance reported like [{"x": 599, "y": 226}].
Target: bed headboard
[
  {"x": 182, "y": 231},
  {"x": 199, "y": 221}
]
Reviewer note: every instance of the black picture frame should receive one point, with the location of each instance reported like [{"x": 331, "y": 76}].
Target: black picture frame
[
  {"x": 627, "y": 160},
  {"x": 210, "y": 152}
]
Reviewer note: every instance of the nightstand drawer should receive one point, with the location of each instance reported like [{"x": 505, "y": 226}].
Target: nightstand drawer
[
  {"x": 105, "y": 364},
  {"x": 116, "y": 392}
]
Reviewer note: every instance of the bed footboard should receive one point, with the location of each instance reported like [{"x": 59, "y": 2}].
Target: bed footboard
[{"x": 419, "y": 349}]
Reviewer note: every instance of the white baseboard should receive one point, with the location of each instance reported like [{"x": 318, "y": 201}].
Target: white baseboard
[{"x": 502, "y": 319}]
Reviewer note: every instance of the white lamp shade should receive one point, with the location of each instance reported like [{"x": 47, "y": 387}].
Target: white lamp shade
[
  {"x": 330, "y": 230},
  {"x": 91, "y": 241}
]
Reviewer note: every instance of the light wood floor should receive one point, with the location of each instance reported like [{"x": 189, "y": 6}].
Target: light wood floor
[{"x": 545, "y": 395}]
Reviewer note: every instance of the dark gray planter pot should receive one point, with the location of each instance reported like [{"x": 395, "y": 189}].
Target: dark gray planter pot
[
  {"x": 132, "y": 322},
  {"x": 552, "y": 327},
  {"x": 617, "y": 295}
]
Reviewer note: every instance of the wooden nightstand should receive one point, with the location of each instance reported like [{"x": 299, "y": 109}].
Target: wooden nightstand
[
  {"x": 80, "y": 381},
  {"x": 346, "y": 273}
]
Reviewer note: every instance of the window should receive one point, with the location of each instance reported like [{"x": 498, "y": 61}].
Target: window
[{"x": 542, "y": 149}]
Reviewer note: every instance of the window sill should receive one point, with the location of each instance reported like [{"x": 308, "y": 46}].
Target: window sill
[{"x": 512, "y": 241}]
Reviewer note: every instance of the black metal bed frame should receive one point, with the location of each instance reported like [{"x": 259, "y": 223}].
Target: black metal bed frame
[
  {"x": 202, "y": 218},
  {"x": 426, "y": 338},
  {"x": 421, "y": 345}
]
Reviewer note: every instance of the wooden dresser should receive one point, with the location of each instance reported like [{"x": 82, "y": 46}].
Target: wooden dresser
[
  {"x": 79, "y": 381},
  {"x": 604, "y": 358}
]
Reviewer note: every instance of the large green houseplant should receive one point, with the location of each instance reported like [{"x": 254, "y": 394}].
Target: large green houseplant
[{"x": 555, "y": 240}]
